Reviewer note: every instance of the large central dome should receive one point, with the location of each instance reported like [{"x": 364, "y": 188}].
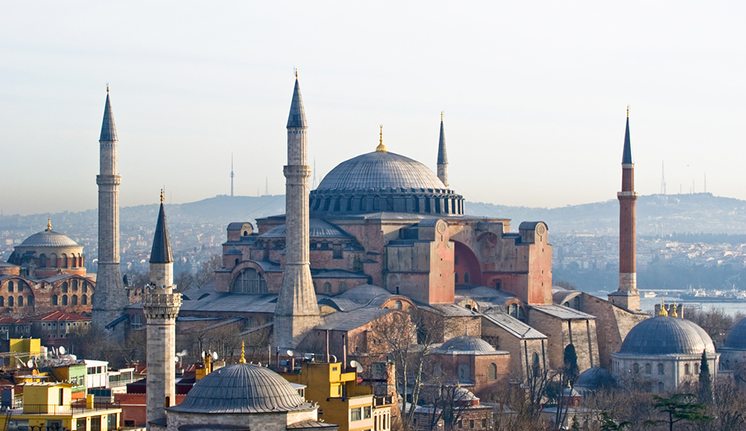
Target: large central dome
[
  {"x": 380, "y": 170},
  {"x": 667, "y": 336},
  {"x": 382, "y": 181}
]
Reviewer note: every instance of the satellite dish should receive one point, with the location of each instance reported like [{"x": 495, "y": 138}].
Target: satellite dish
[
  {"x": 176, "y": 359},
  {"x": 62, "y": 350},
  {"x": 290, "y": 353},
  {"x": 203, "y": 354},
  {"x": 30, "y": 363},
  {"x": 182, "y": 353},
  {"x": 214, "y": 356}
]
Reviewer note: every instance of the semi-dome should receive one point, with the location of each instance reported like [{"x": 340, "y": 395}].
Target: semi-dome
[
  {"x": 49, "y": 238},
  {"x": 242, "y": 388},
  {"x": 466, "y": 345},
  {"x": 384, "y": 181},
  {"x": 736, "y": 338},
  {"x": 667, "y": 336}
]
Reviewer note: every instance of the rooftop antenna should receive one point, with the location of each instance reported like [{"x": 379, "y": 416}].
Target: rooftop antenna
[
  {"x": 705, "y": 186},
  {"x": 663, "y": 178},
  {"x": 232, "y": 174},
  {"x": 266, "y": 186}
]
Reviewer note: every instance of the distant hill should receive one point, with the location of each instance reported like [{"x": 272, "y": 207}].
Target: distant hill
[{"x": 657, "y": 214}]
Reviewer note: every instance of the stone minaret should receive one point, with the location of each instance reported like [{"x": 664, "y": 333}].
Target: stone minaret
[
  {"x": 442, "y": 155},
  {"x": 111, "y": 297},
  {"x": 161, "y": 306},
  {"x": 626, "y": 295},
  {"x": 296, "y": 311}
]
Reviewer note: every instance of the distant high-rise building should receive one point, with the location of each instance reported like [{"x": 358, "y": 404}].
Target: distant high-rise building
[
  {"x": 627, "y": 295},
  {"x": 111, "y": 296}
]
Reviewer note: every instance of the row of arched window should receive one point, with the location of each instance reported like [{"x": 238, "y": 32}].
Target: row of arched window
[
  {"x": 69, "y": 300},
  {"x": 17, "y": 301},
  {"x": 64, "y": 261},
  {"x": 17, "y": 286},
  {"x": 65, "y": 287}
]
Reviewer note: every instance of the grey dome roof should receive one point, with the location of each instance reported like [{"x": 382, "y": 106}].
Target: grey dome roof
[
  {"x": 380, "y": 170},
  {"x": 317, "y": 229},
  {"x": 736, "y": 338},
  {"x": 49, "y": 238},
  {"x": 466, "y": 345},
  {"x": 666, "y": 336},
  {"x": 594, "y": 378},
  {"x": 242, "y": 388}
]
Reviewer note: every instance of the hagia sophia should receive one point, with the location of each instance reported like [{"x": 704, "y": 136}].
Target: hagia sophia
[{"x": 381, "y": 236}]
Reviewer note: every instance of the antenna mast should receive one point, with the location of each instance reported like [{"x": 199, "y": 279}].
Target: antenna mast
[{"x": 232, "y": 174}]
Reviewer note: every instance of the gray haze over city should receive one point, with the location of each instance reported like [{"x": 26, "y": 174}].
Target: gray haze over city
[{"x": 534, "y": 95}]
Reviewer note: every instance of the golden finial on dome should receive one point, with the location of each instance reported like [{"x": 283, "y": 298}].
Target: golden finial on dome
[
  {"x": 662, "y": 312},
  {"x": 242, "y": 360},
  {"x": 49, "y": 224},
  {"x": 381, "y": 147},
  {"x": 673, "y": 310}
]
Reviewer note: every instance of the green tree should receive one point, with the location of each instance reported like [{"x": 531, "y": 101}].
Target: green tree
[
  {"x": 609, "y": 424},
  {"x": 705, "y": 380},
  {"x": 679, "y": 408}
]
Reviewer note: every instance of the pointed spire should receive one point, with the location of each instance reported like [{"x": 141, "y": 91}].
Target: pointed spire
[
  {"x": 242, "y": 359},
  {"x": 442, "y": 155},
  {"x": 627, "y": 155},
  {"x": 49, "y": 224},
  {"x": 381, "y": 148},
  {"x": 297, "y": 117},
  {"x": 161, "y": 251},
  {"x": 108, "y": 129}
]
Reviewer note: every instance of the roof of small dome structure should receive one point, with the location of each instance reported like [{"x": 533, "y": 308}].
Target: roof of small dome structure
[
  {"x": 666, "y": 336},
  {"x": 594, "y": 378},
  {"x": 736, "y": 338},
  {"x": 465, "y": 345},
  {"x": 242, "y": 388},
  {"x": 363, "y": 293},
  {"x": 317, "y": 229},
  {"x": 380, "y": 170},
  {"x": 49, "y": 238}
]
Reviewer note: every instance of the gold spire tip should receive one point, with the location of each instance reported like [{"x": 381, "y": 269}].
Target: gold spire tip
[
  {"x": 442, "y": 114},
  {"x": 163, "y": 195},
  {"x": 242, "y": 359},
  {"x": 627, "y": 111},
  {"x": 49, "y": 224},
  {"x": 673, "y": 310},
  {"x": 381, "y": 147},
  {"x": 662, "y": 312}
]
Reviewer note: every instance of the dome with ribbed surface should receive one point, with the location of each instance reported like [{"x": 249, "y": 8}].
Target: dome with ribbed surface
[
  {"x": 380, "y": 170},
  {"x": 667, "y": 336},
  {"x": 466, "y": 345},
  {"x": 736, "y": 338},
  {"x": 382, "y": 181},
  {"x": 242, "y": 388},
  {"x": 49, "y": 238}
]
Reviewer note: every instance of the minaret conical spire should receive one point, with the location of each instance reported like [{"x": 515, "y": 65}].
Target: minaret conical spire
[
  {"x": 161, "y": 251},
  {"x": 108, "y": 128},
  {"x": 442, "y": 154},
  {"x": 627, "y": 154},
  {"x": 297, "y": 117}
]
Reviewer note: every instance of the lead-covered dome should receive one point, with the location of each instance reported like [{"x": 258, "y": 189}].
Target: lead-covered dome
[
  {"x": 49, "y": 238},
  {"x": 736, "y": 338},
  {"x": 466, "y": 345},
  {"x": 667, "y": 336},
  {"x": 382, "y": 181},
  {"x": 242, "y": 388}
]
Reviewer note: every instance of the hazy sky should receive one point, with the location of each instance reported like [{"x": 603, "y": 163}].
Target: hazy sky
[{"x": 534, "y": 94}]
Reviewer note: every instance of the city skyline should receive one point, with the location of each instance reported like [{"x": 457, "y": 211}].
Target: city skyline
[{"x": 534, "y": 108}]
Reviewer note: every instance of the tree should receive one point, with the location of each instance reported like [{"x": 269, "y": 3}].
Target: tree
[
  {"x": 609, "y": 424},
  {"x": 679, "y": 408},
  {"x": 705, "y": 380},
  {"x": 565, "y": 383}
]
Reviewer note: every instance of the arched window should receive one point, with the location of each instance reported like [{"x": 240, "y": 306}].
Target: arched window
[
  {"x": 661, "y": 388},
  {"x": 74, "y": 261},
  {"x": 398, "y": 305},
  {"x": 10, "y": 286},
  {"x": 648, "y": 369},
  {"x": 55, "y": 300},
  {"x": 493, "y": 371},
  {"x": 75, "y": 299},
  {"x": 687, "y": 371},
  {"x": 660, "y": 370},
  {"x": 636, "y": 368},
  {"x": 84, "y": 299},
  {"x": 10, "y": 301},
  {"x": 85, "y": 287},
  {"x": 64, "y": 299},
  {"x": 42, "y": 260},
  {"x": 20, "y": 301},
  {"x": 2, "y": 301},
  {"x": 30, "y": 301},
  {"x": 64, "y": 287},
  {"x": 249, "y": 281},
  {"x": 464, "y": 373},
  {"x": 65, "y": 262},
  {"x": 327, "y": 288}
]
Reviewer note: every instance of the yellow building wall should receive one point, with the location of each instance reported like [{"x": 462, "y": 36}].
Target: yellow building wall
[{"x": 23, "y": 348}]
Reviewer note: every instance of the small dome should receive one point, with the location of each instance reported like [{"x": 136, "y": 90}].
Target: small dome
[
  {"x": 317, "y": 228},
  {"x": 736, "y": 338},
  {"x": 594, "y": 378},
  {"x": 363, "y": 293},
  {"x": 667, "y": 336},
  {"x": 466, "y": 345},
  {"x": 380, "y": 170},
  {"x": 242, "y": 388},
  {"x": 49, "y": 238}
]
